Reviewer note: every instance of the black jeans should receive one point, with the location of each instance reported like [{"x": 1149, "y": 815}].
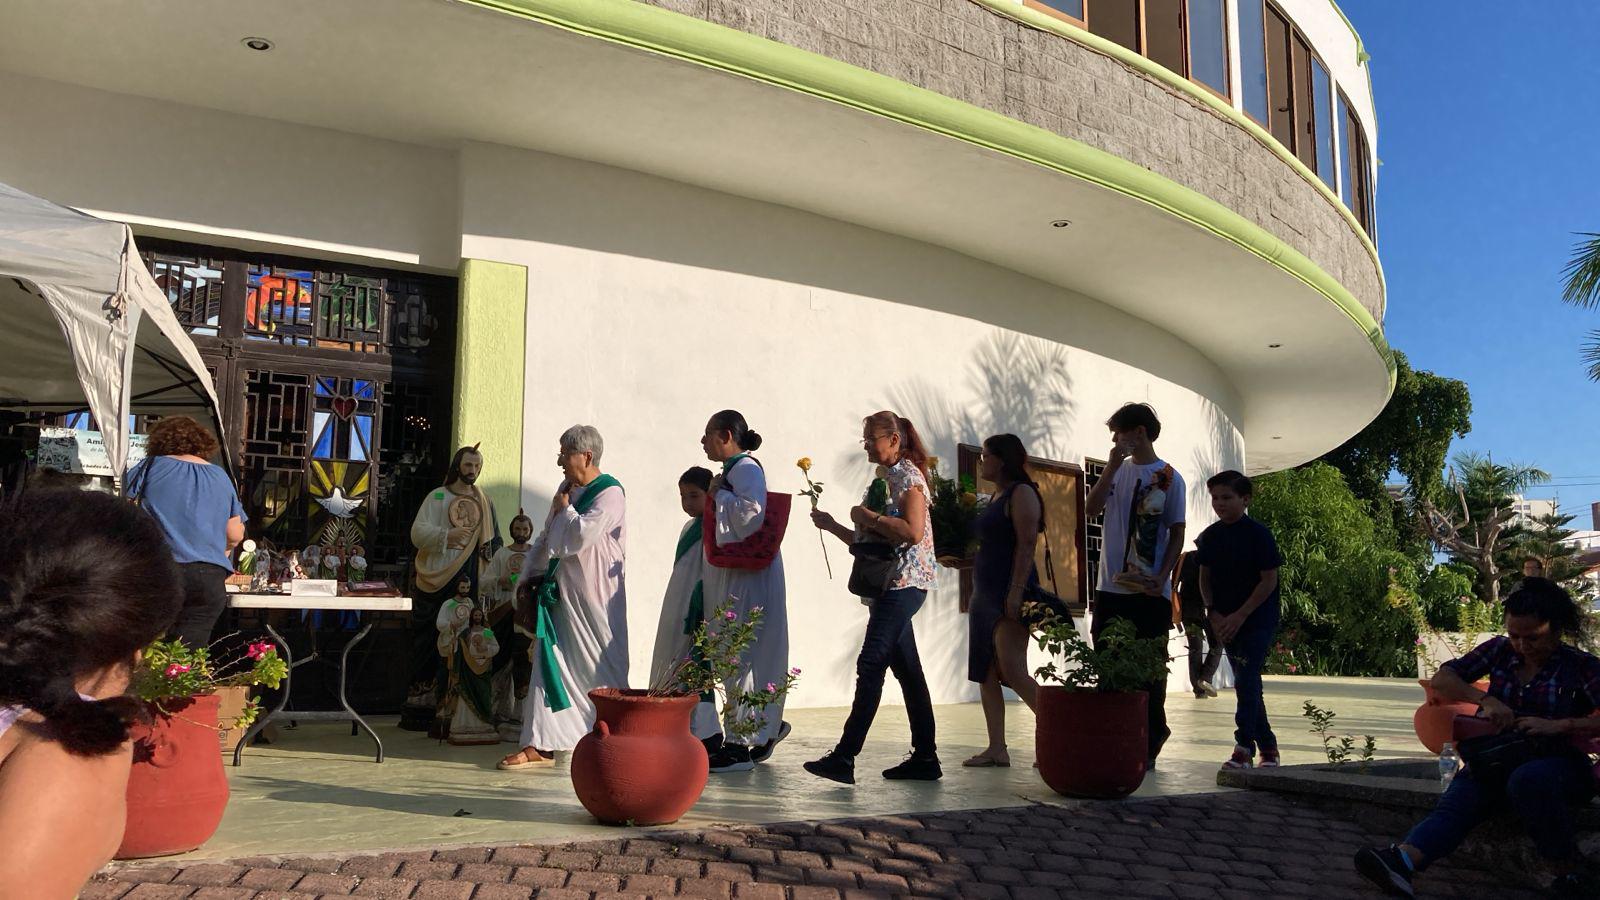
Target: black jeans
[
  {"x": 890, "y": 645},
  {"x": 1205, "y": 651},
  {"x": 1151, "y": 618},
  {"x": 205, "y": 596}
]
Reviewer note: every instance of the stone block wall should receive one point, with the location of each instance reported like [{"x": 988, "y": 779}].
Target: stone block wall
[{"x": 966, "y": 51}]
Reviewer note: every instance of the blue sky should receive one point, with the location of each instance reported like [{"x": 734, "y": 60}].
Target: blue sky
[{"x": 1489, "y": 133}]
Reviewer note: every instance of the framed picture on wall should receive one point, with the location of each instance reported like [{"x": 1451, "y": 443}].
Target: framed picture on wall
[{"x": 1061, "y": 484}]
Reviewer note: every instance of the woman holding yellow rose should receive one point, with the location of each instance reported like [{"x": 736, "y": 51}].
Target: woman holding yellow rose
[{"x": 739, "y": 496}]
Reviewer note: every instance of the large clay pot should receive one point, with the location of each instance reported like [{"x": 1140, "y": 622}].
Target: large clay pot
[
  {"x": 640, "y": 765},
  {"x": 1092, "y": 744},
  {"x": 177, "y": 790},
  {"x": 1435, "y": 718}
]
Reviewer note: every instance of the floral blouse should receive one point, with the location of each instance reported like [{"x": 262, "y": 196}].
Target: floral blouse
[{"x": 915, "y": 569}]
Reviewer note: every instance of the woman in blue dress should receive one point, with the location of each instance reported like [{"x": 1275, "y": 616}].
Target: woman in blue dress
[{"x": 997, "y": 647}]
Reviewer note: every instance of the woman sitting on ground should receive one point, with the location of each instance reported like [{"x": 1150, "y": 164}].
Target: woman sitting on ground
[
  {"x": 86, "y": 581},
  {"x": 1539, "y": 686}
]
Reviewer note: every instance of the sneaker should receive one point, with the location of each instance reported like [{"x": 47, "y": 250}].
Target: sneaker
[
  {"x": 834, "y": 768},
  {"x": 1242, "y": 758},
  {"x": 1387, "y": 868},
  {"x": 1206, "y": 688},
  {"x": 713, "y": 744},
  {"x": 764, "y": 752},
  {"x": 915, "y": 768},
  {"x": 732, "y": 758},
  {"x": 1270, "y": 758}
]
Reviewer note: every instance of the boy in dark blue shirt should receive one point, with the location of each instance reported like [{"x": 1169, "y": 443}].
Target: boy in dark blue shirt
[{"x": 1239, "y": 581}]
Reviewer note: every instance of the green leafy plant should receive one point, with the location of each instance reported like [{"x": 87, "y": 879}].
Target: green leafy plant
[
  {"x": 171, "y": 671},
  {"x": 1340, "y": 748},
  {"x": 713, "y": 666},
  {"x": 877, "y": 498},
  {"x": 954, "y": 510},
  {"x": 1119, "y": 662}
]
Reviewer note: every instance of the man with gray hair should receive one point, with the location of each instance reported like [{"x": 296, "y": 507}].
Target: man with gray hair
[{"x": 573, "y": 595}]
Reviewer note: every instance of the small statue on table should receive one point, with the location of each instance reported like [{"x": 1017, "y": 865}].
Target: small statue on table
[{"x": 468, "y": 649}]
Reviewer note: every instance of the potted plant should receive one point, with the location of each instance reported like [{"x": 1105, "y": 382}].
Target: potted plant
[
  {"x": 1476, "y": 622},
  {"x": 641, "y": 765},
  {"x": 954, "y": 510},
  {"x": 176, "y": 788},
  {"x": 1092, "y": 731}
]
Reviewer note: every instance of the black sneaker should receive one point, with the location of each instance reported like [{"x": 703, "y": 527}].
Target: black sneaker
[
  {"x": 834, "y": 768},
  {"x": 732, "y": 758},
  {"x": 713, "y": 744},
  {"x": 764, "y": 752},
  {"x": 916, "y": 767},
  {"x": 1387, "y": 868}
]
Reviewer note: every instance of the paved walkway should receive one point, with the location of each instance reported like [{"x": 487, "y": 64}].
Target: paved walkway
[{"x": 1162, "y": 847}]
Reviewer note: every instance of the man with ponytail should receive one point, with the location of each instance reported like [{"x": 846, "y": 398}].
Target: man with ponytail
[{"x": 86, "y": 581}]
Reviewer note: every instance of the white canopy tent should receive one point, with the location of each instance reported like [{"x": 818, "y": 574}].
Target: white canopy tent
[{"x": 64, "y": 274}]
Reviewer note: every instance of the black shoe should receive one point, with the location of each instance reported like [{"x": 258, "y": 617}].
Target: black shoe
[
  {"x": 1574, "y": 884},
  {"x": 764, "y": 752},
  {"x": 1387, "y": 868},
  {"x": 732, "y": 758},
  {"x": 713, "y": 744},
  {"x": 916, "y": 767},
  {"x": 834, "y": 768}
]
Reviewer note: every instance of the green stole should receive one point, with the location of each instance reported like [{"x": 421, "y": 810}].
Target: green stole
[
  {"x": 690, "y": 543},
  {"x": 547, "y": 596}
]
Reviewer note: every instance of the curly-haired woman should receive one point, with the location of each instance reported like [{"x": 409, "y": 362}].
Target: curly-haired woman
[
  {"x": 84, "y": 584},
  {"x": 198, "y": 510}
]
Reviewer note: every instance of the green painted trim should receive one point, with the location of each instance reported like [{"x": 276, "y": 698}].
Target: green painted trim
[
  {"x": 1062, "y": 28},
  {"x": 492, "y": 332},
  {"x": 638, "y": 25}
]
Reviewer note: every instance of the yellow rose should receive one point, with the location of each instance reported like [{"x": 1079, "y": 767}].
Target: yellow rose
[
  {"x": 933, "y": 463},
  {"x": 804, "y": 463}
]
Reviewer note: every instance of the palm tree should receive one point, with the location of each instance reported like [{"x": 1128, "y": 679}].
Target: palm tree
[
  {"x": 1583, "y": 289},
  {"x": 1478, "y": 534}
]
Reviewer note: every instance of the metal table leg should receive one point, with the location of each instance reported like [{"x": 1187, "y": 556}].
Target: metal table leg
[
  {"x": 355, "y": 718},
  {"x": 283, "y": 700}
]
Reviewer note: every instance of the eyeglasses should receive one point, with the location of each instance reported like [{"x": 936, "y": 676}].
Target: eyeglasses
[{"x": 868, "y": 441}]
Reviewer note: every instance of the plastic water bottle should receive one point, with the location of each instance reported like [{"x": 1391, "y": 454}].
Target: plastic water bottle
[{"x": 1449, "y": 764}]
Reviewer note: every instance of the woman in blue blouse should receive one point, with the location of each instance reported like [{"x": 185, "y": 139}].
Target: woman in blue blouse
[
  {"x": 1542, "y": 687},
  {"x": 198, "y": 510}
]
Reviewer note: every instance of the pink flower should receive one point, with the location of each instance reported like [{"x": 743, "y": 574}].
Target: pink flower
[
  {"x": 795, "y": 671},
  {"x": 259, "y": 650},
  {"x": 1293, "y": 669},
  {"x": 771, "y": 687},
  {"x": 730, "y": 615},
  {"x": 176, "y": 669},
  {"x": 1419, "y": 641}
]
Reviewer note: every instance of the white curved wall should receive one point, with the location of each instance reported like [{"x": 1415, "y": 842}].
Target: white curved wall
[{"x": 652, "y": 304}]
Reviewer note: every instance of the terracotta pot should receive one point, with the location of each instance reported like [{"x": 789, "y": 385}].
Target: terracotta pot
[
  {"x": 1435, "y": 718},
  {"x": 640, "y": 765},
  {"x": 176, "y": 789},
  {"x": 1091, "y": 744}
]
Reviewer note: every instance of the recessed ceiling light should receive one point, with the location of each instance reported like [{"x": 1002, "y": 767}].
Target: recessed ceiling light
[
  {"x": 1277, "y": 437},
  {"x": 1060, "y": 223},
  {"x": 1273, "y": 346},
  {"x": 260, "y": 44}
]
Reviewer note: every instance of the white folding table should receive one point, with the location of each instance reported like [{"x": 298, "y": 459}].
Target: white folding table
[{"x": 288, "y": 601}]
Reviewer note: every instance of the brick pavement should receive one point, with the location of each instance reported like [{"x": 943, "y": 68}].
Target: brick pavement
[{"x": 1166, "y": 847}]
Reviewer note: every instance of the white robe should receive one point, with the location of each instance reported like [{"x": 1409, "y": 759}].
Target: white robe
[
  {"x": 591, "y": 621},
  {"x": 740, "y": 512},
  {"x": 672, "y": 645}
]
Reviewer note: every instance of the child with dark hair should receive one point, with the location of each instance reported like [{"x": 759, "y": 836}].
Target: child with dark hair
[
  {"x": 1144, "y": 500},
  {"x": 683, "y": 609},
  {"x": 86, "y": 581},
  {"x": 1239, "y": 563}
]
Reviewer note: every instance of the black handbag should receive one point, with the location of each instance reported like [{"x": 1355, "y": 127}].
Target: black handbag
[
  {"x": 1493, "y": 757},
  {"x": 1037, "y": 603},
  {"x": 873, "y": 568}
]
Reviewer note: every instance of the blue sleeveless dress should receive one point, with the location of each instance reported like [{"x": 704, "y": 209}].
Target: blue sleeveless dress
[{"x": 991, "y": 579}]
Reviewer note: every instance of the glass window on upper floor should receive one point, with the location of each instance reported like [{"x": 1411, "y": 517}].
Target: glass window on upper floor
[
  {"x": 1344, "y": 151},
  {"x": 1116, "y": 21},
  {"x": 1208, "y": 44},
  {"x": 1253, "y": 58},
  {"x": 1071, "y": 8},
  {"x": 1322, "y": 98}
]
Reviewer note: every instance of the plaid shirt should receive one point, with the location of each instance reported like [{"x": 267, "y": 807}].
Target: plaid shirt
[{"x": 1566, "y": 687}]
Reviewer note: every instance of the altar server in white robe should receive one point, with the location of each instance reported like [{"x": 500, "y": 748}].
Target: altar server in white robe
[
  {"x": 683, "y": 608},
  {"x": 581, "y": 633},
  {"x": 740, "y": 495}
]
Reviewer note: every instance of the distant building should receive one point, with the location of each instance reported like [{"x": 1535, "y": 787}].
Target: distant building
[{"x": 1529, "y": 511}]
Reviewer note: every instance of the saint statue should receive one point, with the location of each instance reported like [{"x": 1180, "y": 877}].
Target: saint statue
[
  {"x": 454, "y": 532},
  {"x": 467, "y": 647},
  {"x": 514, "y": 665}
]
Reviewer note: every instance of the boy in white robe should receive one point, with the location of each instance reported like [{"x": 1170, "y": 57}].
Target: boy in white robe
[
  {"x": 581, "y": 637},
  {"x": 683, "y": 607}
]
